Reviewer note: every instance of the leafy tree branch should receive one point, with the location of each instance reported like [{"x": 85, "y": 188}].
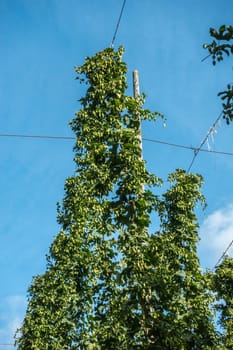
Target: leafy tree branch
[{"x": 221, "y": 46}]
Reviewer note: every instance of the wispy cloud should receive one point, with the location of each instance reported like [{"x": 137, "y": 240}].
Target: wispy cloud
[
  {"x": 216, "y": 233},
  {"x": 12, "y": 309}
]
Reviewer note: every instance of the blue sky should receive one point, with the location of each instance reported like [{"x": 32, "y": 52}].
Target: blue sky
[{"x": 40, "y": 43}]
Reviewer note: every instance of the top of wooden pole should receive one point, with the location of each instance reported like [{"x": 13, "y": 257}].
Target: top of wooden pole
[{"x": 136, "y": 91}]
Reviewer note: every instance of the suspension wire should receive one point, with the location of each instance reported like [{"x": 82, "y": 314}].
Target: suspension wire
[
  {"x": 118, "y": 24},
  {"x": 177, "y": 145},
  {"x": 197, "y": 150},
  {"x": 224, "y": 254},
  {"x": 205, "y": 58},
  {"x": 38, "y": 136}
]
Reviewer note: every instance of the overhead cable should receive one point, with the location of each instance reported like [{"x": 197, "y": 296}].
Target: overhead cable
[
  {"x": 118, "y": 24},
  {"x": 197, "y": 150},
  {"x": 224, "y": 254},
  {"x": 205, "y": 58},
  {"x": 38, "y": 136}
]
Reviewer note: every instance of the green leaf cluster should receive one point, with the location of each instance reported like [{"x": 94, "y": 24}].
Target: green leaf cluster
[
  {"x": 223, "y": 286},
  {"x": 110, "y": 283},
  {"x": 220, "y": 46}
]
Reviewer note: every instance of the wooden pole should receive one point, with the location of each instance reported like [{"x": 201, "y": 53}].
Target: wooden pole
[{"x": 136, "y": 93}]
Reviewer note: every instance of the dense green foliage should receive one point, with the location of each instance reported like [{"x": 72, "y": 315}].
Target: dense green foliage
[
  {"x": 183, "y": 292},
  {"x": 222, "y": 279},
  {"x": 223, "y": 285},
  {"x": 111, "y": 283},
  {"x": 103, "y": 218},
  {"x": 220, "y": 46}
]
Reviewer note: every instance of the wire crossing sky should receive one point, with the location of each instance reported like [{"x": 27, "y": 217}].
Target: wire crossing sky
[
  {"x": 166, "y": 143},
  {"x": 224, "y": 253},
  {"x": 118, "y": 24},
  {"x": 196, "y": 152}
]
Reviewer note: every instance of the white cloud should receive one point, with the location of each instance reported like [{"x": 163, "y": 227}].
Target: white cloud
[
  {"x": 12, "y": 309},
  {"x": 216, "y": 233}
]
